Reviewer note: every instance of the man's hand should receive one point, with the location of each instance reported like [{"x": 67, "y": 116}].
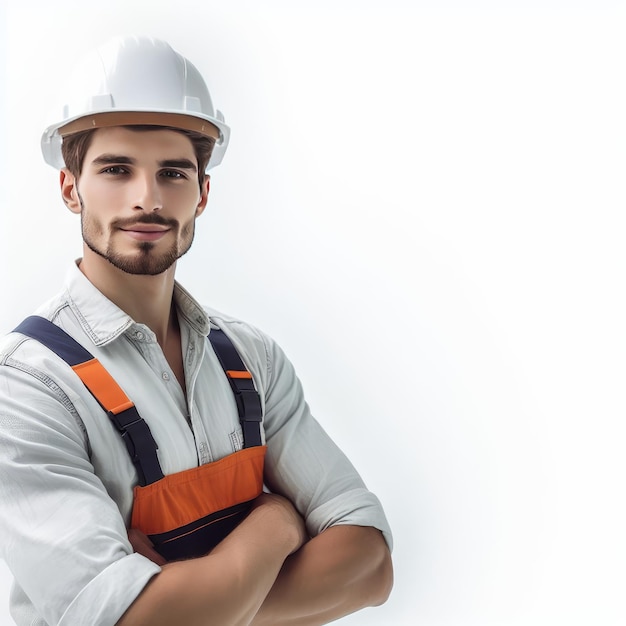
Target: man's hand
[
  {"x": 142, "y": 545},
  {"x": 289, "y": 520}
]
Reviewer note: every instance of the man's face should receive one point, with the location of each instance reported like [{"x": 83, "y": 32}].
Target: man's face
[{"x": 139, "y": 197}]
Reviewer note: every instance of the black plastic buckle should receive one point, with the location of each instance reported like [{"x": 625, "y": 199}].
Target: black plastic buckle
[
  {"x": 140, "y": 444},
  {"x": 125, "y": 419},
  {"x": 249, "y": 405}
]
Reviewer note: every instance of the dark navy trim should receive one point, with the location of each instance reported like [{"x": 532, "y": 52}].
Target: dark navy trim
[{"x": 246, "y": 396}]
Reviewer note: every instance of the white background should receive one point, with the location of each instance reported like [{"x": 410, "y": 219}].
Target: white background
[{"x": 424, "y": 203}]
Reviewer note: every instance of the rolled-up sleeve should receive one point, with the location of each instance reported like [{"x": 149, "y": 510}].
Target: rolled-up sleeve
[
  {"x": 63, "y": 537},
  {"x": 304, "y": 464}
]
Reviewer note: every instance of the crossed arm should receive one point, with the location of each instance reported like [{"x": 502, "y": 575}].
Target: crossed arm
[{"x": 267, "y": 573}]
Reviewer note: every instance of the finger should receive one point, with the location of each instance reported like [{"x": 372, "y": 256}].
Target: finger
[{"x": 142, "y": 545}]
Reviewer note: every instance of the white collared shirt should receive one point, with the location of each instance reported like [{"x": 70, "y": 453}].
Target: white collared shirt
[{"x": 66, "y": 478}]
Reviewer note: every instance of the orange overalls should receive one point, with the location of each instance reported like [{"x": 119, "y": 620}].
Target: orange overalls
[{"x": 185, "y": 514}]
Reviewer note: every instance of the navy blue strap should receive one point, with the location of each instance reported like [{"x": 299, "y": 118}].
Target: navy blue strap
[
  {"x": 246, "y": 396},
  {"x": 134, "y": 430},
  {"x": 55, "y": 338}
]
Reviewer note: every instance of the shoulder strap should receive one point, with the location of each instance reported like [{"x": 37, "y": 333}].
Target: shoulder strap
[
  {"x": 134, "y": 430},
  {"x": 240, "y": 379}
]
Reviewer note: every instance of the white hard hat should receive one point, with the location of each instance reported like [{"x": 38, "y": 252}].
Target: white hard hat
[{"x": 136, "y": 80}]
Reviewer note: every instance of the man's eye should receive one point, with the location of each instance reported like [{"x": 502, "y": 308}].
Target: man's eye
[
  {"x": 173, "y": 174},
  {"x": 115, "y": 169}
]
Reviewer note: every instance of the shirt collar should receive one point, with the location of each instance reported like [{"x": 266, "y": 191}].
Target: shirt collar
[{"x": 104, "y": 321}]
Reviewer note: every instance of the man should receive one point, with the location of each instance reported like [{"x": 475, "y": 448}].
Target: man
[{"x": 160, "y": 477}]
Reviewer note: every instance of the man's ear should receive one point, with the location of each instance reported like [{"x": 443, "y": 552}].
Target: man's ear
[
  {"x": 204, "y": 195},
  {"x": 69, "y": 190}
]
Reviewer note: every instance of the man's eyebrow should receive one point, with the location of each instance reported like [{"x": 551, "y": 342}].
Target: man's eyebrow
[
  {"x": 183, "y": 164},
  {"x": 108, "y": 159}
]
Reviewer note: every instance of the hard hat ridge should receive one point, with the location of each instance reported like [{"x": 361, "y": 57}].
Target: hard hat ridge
[{"x": 136, "y": 80}]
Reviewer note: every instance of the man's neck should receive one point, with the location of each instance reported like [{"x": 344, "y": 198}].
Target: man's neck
[{"x": 147, "y": 299}]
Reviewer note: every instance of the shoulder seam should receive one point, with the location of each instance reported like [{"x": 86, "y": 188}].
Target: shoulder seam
[
  {"x": 62, "y": 397},
  {"x": 268, "y": 362},
  {"x": 6, "y": 356}
]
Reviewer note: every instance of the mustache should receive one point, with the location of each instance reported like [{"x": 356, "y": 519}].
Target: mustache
[{"x": 150, "y": 218}]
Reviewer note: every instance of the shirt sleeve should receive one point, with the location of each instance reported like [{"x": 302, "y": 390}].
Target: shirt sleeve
[
  {"x": 304, "y": 464},
  {"x": 63, "y": 537}
]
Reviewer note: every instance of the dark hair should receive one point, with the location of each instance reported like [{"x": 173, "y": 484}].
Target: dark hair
[{"x": 74, "y": 147}]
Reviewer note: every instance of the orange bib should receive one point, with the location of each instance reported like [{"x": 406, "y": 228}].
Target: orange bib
[{"x": 187, "y": 514}]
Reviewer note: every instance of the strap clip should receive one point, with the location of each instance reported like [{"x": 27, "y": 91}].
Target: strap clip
[
  {"x": 249, "y": 405},
  {"x": 140, "y": 444}
]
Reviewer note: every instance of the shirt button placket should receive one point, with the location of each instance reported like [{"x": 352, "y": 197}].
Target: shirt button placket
[{"x": 203, "y": 452}]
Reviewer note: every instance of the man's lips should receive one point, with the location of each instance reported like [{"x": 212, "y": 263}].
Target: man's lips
[
  {"x": 146, "y": 228},
  {"x": 145, "y": 232}
]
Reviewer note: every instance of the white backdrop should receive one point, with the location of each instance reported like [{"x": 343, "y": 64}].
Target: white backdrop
[{"x": 424, "y": 203}]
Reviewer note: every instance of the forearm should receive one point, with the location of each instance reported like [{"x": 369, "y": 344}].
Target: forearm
[
  {"x": 225, "y": 587},
  {"x": 340, "y": 571}
]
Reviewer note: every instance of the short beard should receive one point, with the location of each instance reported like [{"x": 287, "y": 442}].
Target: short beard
[{"x": 145, "y": 263}]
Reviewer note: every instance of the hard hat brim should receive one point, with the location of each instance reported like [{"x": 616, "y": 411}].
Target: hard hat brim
[{"x": 132, "y": 118}]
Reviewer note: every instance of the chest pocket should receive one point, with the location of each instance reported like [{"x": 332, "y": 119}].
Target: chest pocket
[{"x": 185, "y": 514}]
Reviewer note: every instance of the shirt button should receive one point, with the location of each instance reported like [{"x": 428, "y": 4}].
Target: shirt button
[
  {"x": 166, "y": 376},
  {"x": 139, "y": 335}
]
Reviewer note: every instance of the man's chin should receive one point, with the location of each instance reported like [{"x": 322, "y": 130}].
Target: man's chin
[
  {"x": 143, "y": 261},
  {"x": 142, "y": 268},
  {"x": 145, "y": 264}
]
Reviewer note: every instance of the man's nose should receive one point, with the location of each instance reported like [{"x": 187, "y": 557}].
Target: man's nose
[{"x": 146, "y": 192}]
